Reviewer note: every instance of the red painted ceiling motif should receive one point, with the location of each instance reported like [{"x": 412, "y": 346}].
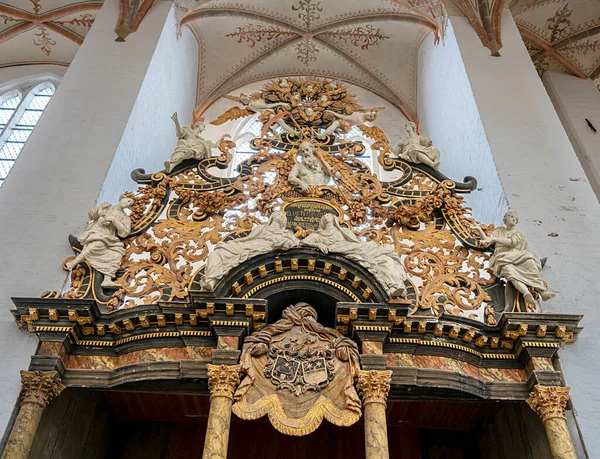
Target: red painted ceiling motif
[
  {"x": 372, "y": 43},
  {"x": 46, "y": 26},
  {"x": 561, "y": 35}
]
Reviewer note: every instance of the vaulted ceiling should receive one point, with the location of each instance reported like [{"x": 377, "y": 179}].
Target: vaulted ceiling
[
  {"x": 371, "y": 43},
  {"x": 561, "y": 34},
  {"x": 43, "y": 31}
]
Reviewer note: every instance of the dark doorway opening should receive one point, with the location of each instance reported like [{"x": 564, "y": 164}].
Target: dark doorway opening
[{"x": 140, "y": 425}]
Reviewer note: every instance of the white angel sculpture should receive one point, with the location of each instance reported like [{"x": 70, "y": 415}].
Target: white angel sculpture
[
  {"x": 345, "y": 122},
  {"x": 417, "y": 148},
  {"x": 512, "y": 259},
  {"x": 254, "y": 105},
  {"x": 262, "y": 239},
  {"x": 190, "y": 144},
  {"x": 380, "y": 260},
  {"x": 102, "y": 248}
]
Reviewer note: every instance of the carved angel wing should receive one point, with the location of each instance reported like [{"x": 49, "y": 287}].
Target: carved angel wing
[
  {"x": 373, "y": 132},
  {"x": 232, "y": 114}
]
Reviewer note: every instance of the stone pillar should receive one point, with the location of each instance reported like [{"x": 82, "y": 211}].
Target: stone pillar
[
  {"x": 510, "y": 137},
  {"x": 38, "y": 389},
  {"x": 222, "y": 382},
  {"x": 374, "y": 387},
  {"x": 577, "y": 103},
  {"x": 549, "y": 402}
]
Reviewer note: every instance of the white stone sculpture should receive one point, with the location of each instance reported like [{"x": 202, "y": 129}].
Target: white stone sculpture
[
  {"x": 345, "y": 122},
  {"x": 102, "y": 248},
  {"x": 312, "y": 170},
  {"x": 262, "y": 239},
  {"x": 259, "y": 105},
  {"x": 417, "y": 148},
  {"x": 190, "y": 144},
  {"x": 380, "y": 260},
  {"x": 512, "y": 259}
]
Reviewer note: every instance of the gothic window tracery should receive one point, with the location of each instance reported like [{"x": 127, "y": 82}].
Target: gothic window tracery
[{"x": 18, "y": 117}]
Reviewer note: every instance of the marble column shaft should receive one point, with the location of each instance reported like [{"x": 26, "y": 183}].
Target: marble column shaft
[
  {"x": 222, "y": 382},
  {"x": 38, "y": 389},
  {"x": 549, "y": 402},
  {"x": 374, "y": 387}
]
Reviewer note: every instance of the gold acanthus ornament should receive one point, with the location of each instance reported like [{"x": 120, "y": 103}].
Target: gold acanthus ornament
[
  {"x": 374, "y": 386},
  {"x": 40, "y": 387},
  {"x": 223, "y": 380},
  {"x": 549, "y": 402}
]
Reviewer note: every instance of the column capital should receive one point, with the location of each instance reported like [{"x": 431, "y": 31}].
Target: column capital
[
  {"x": 40, "y": 387},
  {"x": 549, "y": 402},
  {"x": 374, "y": 385},
  {"x": 223, "y": 380}
]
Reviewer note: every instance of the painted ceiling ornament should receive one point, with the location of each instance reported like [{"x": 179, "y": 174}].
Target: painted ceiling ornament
[
  {"x": 102, "y": 246},
  {"x": 513, "y": 261},
  {"x": 299, "y": 372},
  {"x": 190, "y": 144},
  {"x": 417, "y": 148}
]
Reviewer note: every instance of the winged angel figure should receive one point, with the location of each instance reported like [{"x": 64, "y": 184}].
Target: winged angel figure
[
  {"x": 358, "y": 118},
  {"x": 255, "y": 105}
]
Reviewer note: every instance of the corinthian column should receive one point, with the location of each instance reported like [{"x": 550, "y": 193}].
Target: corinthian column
[
  {"x": 37, "y": 390},
  {"x": 549, "y": 402},
  {"x": 222, "y": 382},
  {"x": 374, "y": 387}
]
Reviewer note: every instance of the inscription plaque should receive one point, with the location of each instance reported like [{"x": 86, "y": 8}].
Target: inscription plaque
[{"x": 307, "y": 213}]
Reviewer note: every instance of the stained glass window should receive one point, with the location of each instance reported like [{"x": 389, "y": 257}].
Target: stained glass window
[{"x": 15, "y": 132}]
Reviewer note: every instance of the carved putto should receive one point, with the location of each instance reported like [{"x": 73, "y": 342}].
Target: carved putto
[
  {"x": 102, "y": 246},
  {"x": 299, "y": 372}
]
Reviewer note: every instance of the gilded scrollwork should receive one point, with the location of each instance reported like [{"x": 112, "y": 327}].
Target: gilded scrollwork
[{"x": 179, "y": 217}]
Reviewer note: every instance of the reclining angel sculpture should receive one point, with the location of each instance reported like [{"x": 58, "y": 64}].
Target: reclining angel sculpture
[
  {"x": 417, "y": 148},
  {"x": 263, "y": 239},
  {"x": 380, "y": 260}
]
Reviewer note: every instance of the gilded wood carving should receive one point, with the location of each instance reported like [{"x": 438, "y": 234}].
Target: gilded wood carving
[{"x": 299, "y": 372}]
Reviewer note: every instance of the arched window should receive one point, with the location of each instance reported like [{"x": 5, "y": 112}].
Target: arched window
[{"x": 18, "y": 117}]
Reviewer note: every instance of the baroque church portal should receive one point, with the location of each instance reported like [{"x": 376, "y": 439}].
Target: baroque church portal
[{"x": 299, "y": 229}]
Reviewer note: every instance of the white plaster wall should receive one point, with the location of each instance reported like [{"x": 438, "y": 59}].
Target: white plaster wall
[
  {"x": 149, "y": 137},
  {"x": 23, "y": 72},
  {"x": 576, "y": 99},
  {"x": 544, "y": 181},
  {"x": 448, "y": 115},
  {"x": 60, "y": 171}
]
